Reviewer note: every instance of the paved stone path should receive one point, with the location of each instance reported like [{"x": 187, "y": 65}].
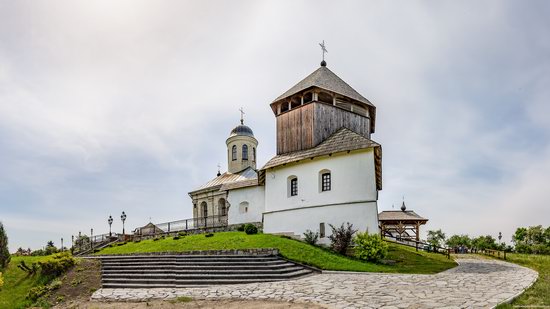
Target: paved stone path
[{"x": 475, "y": 283}]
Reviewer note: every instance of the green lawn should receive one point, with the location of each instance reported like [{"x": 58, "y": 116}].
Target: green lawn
[
  {"x": 17, "y": 283},
  {"x": 539, "y": 293},
  {"x": 407, "y": 260}
]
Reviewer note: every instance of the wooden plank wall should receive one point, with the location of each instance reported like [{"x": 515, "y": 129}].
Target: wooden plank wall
[
  {"x": 295, "y": 129},
  {"x": 307, "y": 126},
  {"x": 329, "y": 119}
]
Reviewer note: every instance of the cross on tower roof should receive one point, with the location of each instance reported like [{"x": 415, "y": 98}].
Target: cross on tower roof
[
  {"x": 242, "y": 115},
  {"x": 323, "y": 50}
]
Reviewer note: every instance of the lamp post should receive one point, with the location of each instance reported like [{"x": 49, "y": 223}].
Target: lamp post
[
  {"x": 110, "y": 223},
  {"x": 79, "y": 241},
  {"x": 61, "y": 244},
  {"x": 499, "y": 236},
  {"x": 91, "y": 239},
  {"x": 72, "y": 243},
  {"x": 123, "y": 218}
]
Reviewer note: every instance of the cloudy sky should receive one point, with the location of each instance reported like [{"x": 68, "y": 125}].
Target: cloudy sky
[{"x": 108, "y": 106}]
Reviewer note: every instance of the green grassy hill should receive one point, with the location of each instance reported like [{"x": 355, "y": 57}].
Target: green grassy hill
[
  {"x": 17, "y": 283},
  {"x": 407, "y": 259}
]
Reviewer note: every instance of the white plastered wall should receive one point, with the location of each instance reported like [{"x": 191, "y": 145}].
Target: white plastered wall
[
  {"x": 352, "y": 197},
  {"x": 251, "y": 198},
  {"x": 363, "y": 216}
]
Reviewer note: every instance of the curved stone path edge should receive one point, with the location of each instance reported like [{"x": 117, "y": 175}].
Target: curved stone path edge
[{"x": 474, "y": 283}]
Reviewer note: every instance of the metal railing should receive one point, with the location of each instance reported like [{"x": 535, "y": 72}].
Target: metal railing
[{"x": 183, "y": 225}]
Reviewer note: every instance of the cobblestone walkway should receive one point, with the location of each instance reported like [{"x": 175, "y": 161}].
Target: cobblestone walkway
[{"x": 473, "y": 284}]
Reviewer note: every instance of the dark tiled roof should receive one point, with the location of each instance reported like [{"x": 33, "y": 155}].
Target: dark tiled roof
[
  {"x": 343, "y": 140},
  {"x": 325, "y": 79},
  {"x": 399, "y": 215},
  {"x": 225, "y": 178}
]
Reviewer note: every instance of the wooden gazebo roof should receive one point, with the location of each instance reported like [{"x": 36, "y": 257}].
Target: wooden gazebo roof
[{"x": 395, "y": 216}]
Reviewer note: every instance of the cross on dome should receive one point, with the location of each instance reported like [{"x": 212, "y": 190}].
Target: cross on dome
[
  {"x": 323, "y": 50},
  {"x": 242, "y": 115}
]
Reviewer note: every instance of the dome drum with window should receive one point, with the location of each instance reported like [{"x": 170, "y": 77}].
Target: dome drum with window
[{"x": 241, "y": 149}]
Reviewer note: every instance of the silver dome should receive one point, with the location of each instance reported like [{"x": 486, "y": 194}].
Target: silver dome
[{"x": 241, "y": 130}]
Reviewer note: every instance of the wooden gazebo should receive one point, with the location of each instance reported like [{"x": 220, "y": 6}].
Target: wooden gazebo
[{"x": 401, "y": 224}]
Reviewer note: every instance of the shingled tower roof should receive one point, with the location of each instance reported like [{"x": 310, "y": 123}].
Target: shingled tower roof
[{"x": 325, "y": 79}]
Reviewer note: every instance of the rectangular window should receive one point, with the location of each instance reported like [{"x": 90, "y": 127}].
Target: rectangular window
[
  {"x": 322, "y": 229},
  {"x": 325, "y": 182},
  {"x": 294, "y": 187}
]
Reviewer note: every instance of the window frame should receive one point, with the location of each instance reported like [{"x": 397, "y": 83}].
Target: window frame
[
  {"x": 245, "y": 152},
  {"x": 294, "y": 186},
  {"x": 326, "y": 181},
  {"x": 234, "y": 153}
]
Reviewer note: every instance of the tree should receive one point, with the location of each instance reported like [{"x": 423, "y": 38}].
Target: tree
[
  {"x": 4, "y": 251},
  {"x": 520, "y": 235},
  {"x": 50, "y": 248},
  {"x": 436, "y": 238},
  {"x": 459, "y": 240},
  {"x": 484, "y": 242}
]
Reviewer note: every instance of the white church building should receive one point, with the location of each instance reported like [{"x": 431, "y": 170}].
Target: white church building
[{"x": 327, "y": 170}]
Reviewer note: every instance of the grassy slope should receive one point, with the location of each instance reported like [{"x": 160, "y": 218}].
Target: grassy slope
[
  {"x": 17, "y": 283},
  {"x": 408, "y": 261},
  {"x": 539, "y": 293}
]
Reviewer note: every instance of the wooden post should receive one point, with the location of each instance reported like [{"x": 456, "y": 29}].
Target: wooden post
[{"x": 417, "y": 234}]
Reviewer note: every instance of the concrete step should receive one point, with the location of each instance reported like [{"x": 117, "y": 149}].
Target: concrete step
[
  {"x": 198, "y": 277},
  {"x": 161, "y": 273},
  {"x": 186, "y": 284},
  {"x": 153, "y": 268},
  {"x": 167, "y": 271},
  {"x": 190, "y": 263}
]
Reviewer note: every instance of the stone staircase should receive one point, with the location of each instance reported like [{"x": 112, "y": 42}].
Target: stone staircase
[{"x": 163, "y": 271}]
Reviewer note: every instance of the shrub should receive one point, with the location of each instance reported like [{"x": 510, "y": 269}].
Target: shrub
[
  {"x": 182, "y": 234},
  {"x": 37, "y": 292},
  {"x": 250, "y": 229},
  {"x": 341, "y": 237},
  {"x": 310, "y": 237},
  {"x": 208, "y": 235},
  {"x": 38, "y": 252},
  {"x": 156, "y": 239},
  {"x": 1, "y": 281},
  {"x": 175, "y": 237},
  {"x": 241, "y": 228},
  {"x": 43, "y": 290},
  {"x": 370, "y": 247},
  {"x": 137, "y": 240},
  {"x": 57, "y": 265}
]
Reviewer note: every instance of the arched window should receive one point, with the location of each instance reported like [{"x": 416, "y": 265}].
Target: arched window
[
  {"x": 204, "y": 209},
  {"x": 292, "y": 186},
  {"x": 222, "y": 209},
  {"x": 254, "y": 154},
  {"x": 234, "y": 153},
  {"x": 245, "y": 152}
]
